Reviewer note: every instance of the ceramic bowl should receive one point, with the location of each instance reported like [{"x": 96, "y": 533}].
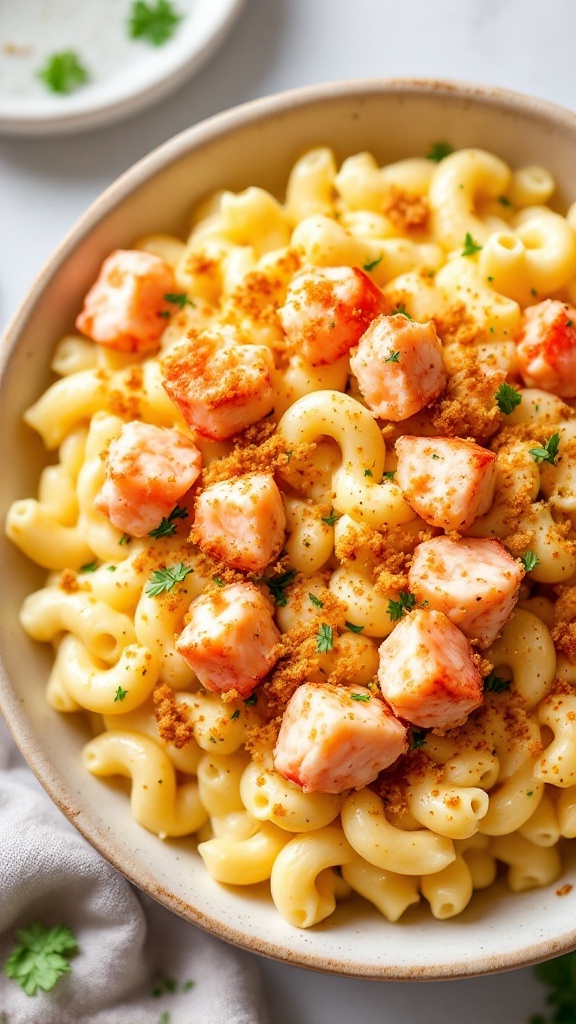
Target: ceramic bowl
[{"x": 256, "y": 144}]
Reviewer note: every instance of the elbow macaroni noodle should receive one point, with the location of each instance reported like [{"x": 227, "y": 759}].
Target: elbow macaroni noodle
[{"x": 501, "y": 787}]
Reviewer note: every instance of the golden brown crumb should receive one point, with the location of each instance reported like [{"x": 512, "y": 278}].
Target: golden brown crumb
[
  {"x": 172, "y": 718},
  {"x": 406, "y": 211}
]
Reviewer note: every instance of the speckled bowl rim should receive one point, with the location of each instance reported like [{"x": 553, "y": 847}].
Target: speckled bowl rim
[{"x": 194, "y": 139}]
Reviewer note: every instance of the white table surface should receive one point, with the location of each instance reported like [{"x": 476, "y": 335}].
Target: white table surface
[{"x": 45, "y": 184}]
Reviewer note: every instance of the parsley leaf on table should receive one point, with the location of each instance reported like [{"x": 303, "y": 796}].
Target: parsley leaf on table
[
  {"x": 154, "y": 22},
  {"x": 41, "y": 957},
  {"x": 63, "y": 72},
  {"x": 163, "y": 580}
]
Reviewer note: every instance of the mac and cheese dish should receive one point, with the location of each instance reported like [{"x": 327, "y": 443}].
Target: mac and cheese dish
[{"x": 310, "y": 531}]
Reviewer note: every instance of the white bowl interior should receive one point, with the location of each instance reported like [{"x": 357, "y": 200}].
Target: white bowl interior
[{"x": 257, "y": 144}]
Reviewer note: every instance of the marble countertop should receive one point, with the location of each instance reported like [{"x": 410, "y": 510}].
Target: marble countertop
[{"x": 45, "y": 184}]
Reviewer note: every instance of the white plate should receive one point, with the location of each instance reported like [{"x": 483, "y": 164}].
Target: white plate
[{"x": 125, "y": 74}]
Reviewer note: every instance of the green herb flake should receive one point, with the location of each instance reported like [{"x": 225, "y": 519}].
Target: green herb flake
[
  {"x": 89, "y": 566},
  {"x": 179, "y": 299},
  {"x": 111, "y": 568},
  {"x": 390, "y": 474},
  {"x": 153, "y": 22},
  {"x": 167, "y": 525},
  {"x": 470, "y": 246},
  {"x": 434, "y": 456},
  {"x": 400, "y": 310},
  {"x": 316, "y": 601},
  {"x": 352, "y": 627},
  {"x": 405, "y": 603},
  {"x": 549, "y": 453},
  {"x": 529, "y": 792},
  {"x": 277, "y": 585},
  {"x": 507, "y": 398},
  {"x": 367, "y": 472},
  {"x": 495, "y": 684},
  {"x": 331, "y": 520},
  {"x": 360, "y": 697},
  {"x": 120, "y": 694},
  {"x": 417, "y": 738},
  {"x": 534, "y": 292},
  {"x": 235, "y": 715},
  {"x": 212, "y": 739},
  {"x": 40, "y": 957},
  {"x": 124, "y": 539},
  {"x": 559, "y": 976},
  {"x": 163, "y": 580},
  {"x": 251, "y": 700},
  {"x": 164, "y": 1018},
  {"x": 188, "y": 985},
  {"x": 439, "y": 151},
  {"x": 529, "y": 560},
  {"x": 504, "y": 201},
  {"x": 324, "y": 639},
  {"x": 372, "y": 266},
  {"x": 569, "y": 323},
  {"x": 393, "y": 358},
  {"x": 63, "y": 72}
]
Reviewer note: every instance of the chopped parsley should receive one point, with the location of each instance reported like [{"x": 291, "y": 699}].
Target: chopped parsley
[
  {"x": 569, "y": 323},
  {"x": 165, "y": 986},
  {"x": 251, "y": 700},
  {"x": 470, "y": 246},
  {"x": 316, "y": 601},
  {"x": 168, "y": 525},
  {"x": 439, "y": 151},
  {"x": 397, "y": 609},
  {"x": 89, "y": 566},
  {"x": 495, "y": 684},
  {"x": 124, "y": 539},
  {"x": 394, "y": 357},
  {"x": 504, "y": 201},
  {"x": 235, "y": 715},
  {"x": 549, "y": 453},
  {"x": 153, "y": 22},
  {"x": 63, "y": 72},
  {"x": 400, "y": 310},
  {"x": 559, "y": 975},
  {"x": 162, "y": 580},
  {"x": 534, "y": 292},
  {"x": 367, "y": 472},
  {"x": 324, "y": 639},
  {"x": 390, "y": 474},
  {"x": 277, "y": 585},
  {"x": 507, "y": 398},
  {"x": 179, "y": 299},
  {"x": 120, "y": 694},
  {"x": 417, "y": 738},
  {"x": 352, "y": 627},
  {"x": 332, "y": 519},
  {"x": 363, "y": 697},
  {"x": 372, "y": 266},
  {"x": 218, "y": 581},
  {"x": 529, "y": 560},
  {"x": 40, "y": 957}
]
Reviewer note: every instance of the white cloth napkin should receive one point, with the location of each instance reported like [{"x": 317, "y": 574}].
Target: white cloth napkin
[{"x": 129, "y": 946}]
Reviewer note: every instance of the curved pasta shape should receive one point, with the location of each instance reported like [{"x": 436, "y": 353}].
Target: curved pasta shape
[
  {"x": 380, "y": 843},
  {"x": 57, "y": 494},
  {"x": 391, "y": 893},
  {"x": 301, "y": 883},
  {"x": 102, "y": 630},
  {"x": 219, "y": 728},
  {"x": 310, "y": 541},
  {"x": 525, "y": 634},
  {"x": 68, "y": 402},
  {"x": 460, "y": 182},
  {"x": 530, "y": 866},
  {"x": 448, "y": 891},
  {"x": 219, "y": 782},
  {"x": 558, "y": 762},
  {"x": 142, "y": 720},
  {"x": 158, "y": 804},
  {"x": 35, "y": 531},
  {"x": 357, "y": 490},
  {"x": 101, "y": 688},
  {"x": 268, "y": 796},
  {"x": 542, "y": 828},
  {"x": 310, "y": 188},
  {"x": 513, "y": 802},
  {"x": 453, "y": 811},
  {"x": 244, "y": 861}
]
